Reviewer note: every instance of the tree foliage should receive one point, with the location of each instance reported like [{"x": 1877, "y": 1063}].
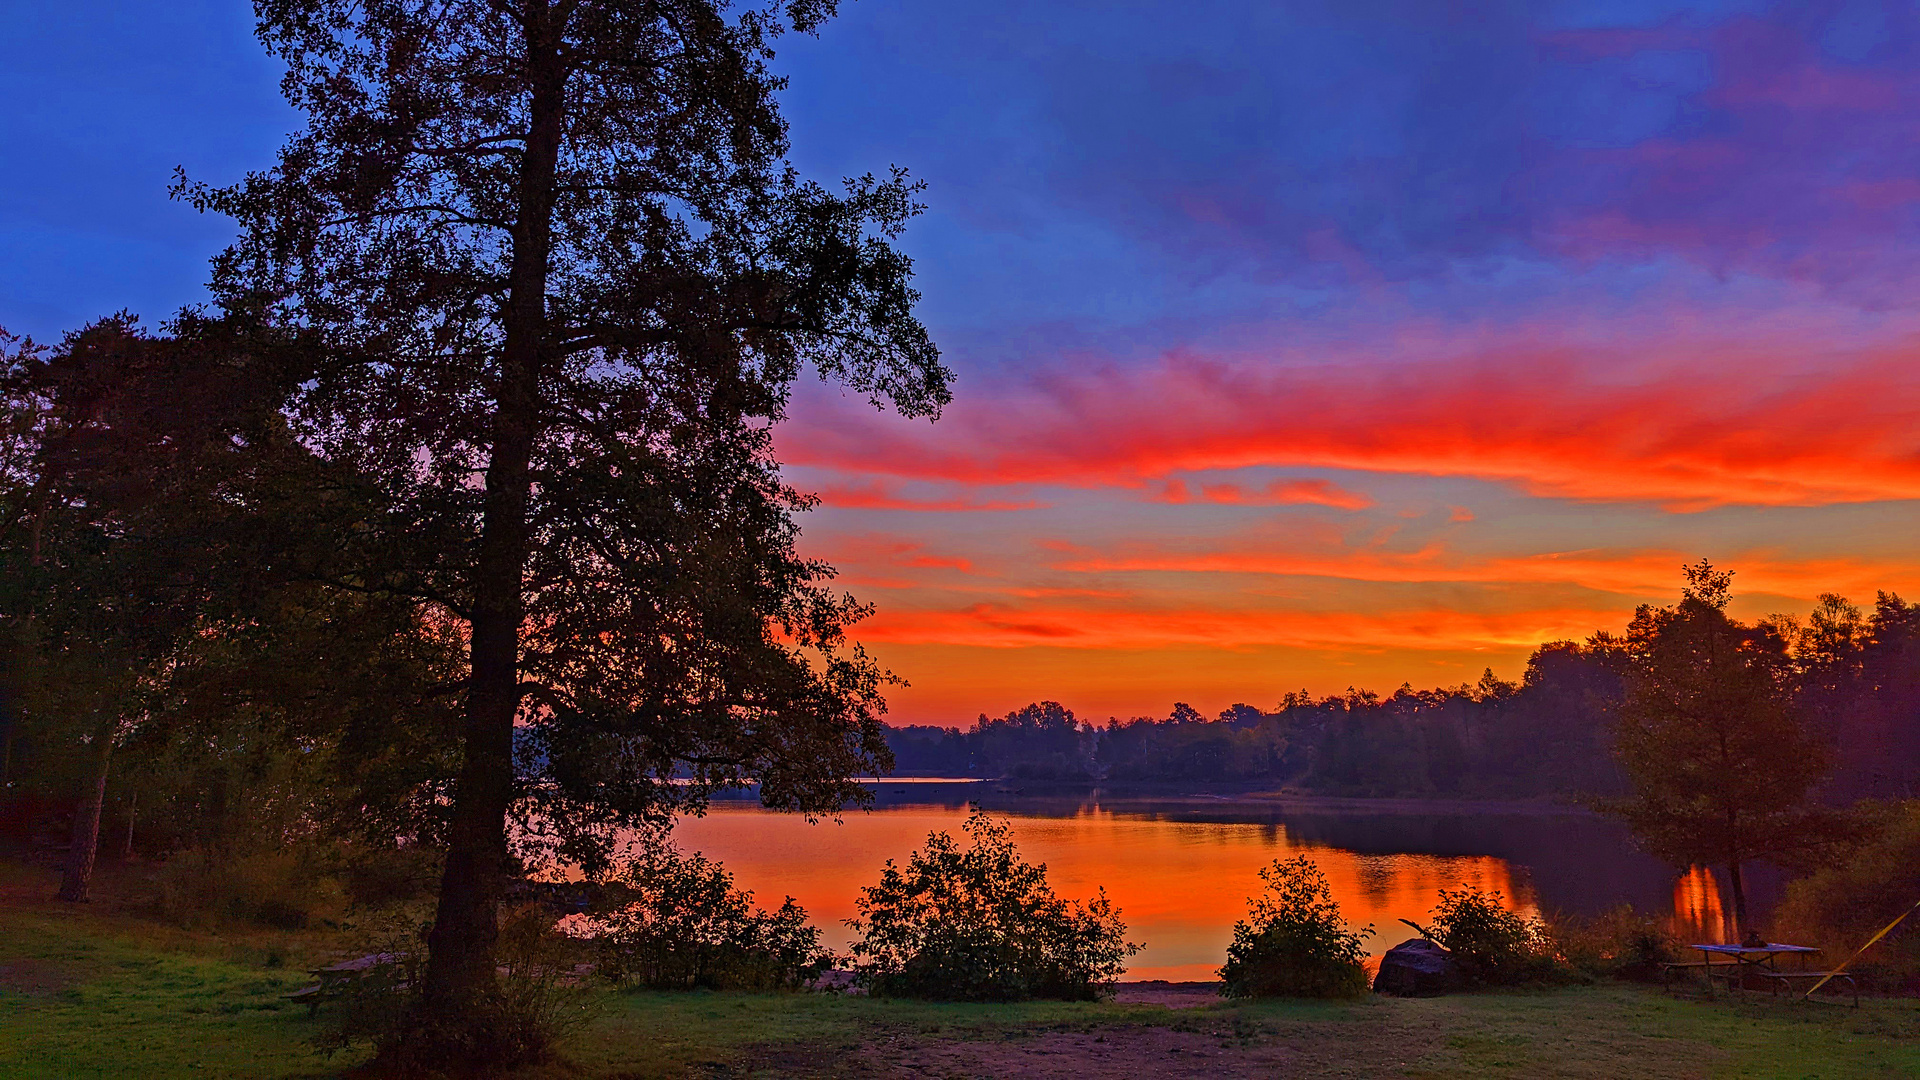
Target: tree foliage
[
  {"x": 1491, "y": 944},
  {"x": 979, "y": 923},
  {"x": 562, "y": 282},
  {"x": 162, "y": 539},
  {"x": 1720, "y": 759},
  {"x": 1839, "y": 906},
  {"x": 1294, "y": 942},
  {"x": 687, "y": 927},
  {"x": 1546, "y": 735}
]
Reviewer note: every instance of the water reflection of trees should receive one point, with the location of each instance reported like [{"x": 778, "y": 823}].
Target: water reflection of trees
[
  {"x": 1699, "y": 909},
  {"x": 1565, "y": 861}
]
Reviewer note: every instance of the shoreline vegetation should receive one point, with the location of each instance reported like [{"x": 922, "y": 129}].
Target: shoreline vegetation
[
  {"x": 101, "y": 991},
  {"x": 1175, "y": 791}
]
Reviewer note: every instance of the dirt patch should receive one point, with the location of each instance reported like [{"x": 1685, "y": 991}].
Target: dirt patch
[
  {"x": 1173, "y": 995},
  {"x": 1195, "y": 1048},
  {"x": 1110, "y": 1054},
  {"x": 1123, "y": 1052}
]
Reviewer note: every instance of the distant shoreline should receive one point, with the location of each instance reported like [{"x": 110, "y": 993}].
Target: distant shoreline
[{"x": 1163, "y": 792}]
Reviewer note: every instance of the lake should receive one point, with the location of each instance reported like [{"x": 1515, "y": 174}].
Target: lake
[{"x": 1181, "y": 866}]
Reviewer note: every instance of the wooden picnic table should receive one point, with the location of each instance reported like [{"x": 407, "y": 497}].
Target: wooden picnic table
[
  {"x": 1761, "y": 962},
  {"x": 336, "y": 978}
]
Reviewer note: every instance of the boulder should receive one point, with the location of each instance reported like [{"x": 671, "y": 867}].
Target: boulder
[{"x": 1415, "y": 968}]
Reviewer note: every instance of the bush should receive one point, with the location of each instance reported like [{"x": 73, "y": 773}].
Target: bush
[
  {"x": 1491, "y": 945},
  {"x": 690, "y": 928},
  {"x": 1294, "y": 942},
  {"x": 980, "y": 924},
  {"x": 1839, "y": 907},
  {"x": 1622, "y": 943},
  {"x": 287, "y": 888}
]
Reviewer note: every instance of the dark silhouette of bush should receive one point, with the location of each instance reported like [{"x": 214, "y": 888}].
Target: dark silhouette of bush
[
  {"x": 978, "y": 923},
  {"x": 1841, "y": 905},
  {"x": 690, "y": 928},
  {"x": 1491, "y": 945},
  {"x": 1621, "y": 942},
  {"x": 1294, "y": 942}
]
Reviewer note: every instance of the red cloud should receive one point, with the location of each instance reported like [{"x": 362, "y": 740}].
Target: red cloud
[
  {"x": 1688, "y": 423},
  {"x": 1006, "y": 625},
  {"x": 1632, "y": 572}
]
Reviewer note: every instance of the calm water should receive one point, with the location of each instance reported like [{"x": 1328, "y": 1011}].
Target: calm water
[{"x": 1181, "y": 868}]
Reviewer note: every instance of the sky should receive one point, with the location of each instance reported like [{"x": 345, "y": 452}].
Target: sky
[{"x": 1298, "y": 346}]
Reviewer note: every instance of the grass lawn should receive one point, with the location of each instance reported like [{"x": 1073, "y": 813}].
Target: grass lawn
[{"x": 90, "y": 992}]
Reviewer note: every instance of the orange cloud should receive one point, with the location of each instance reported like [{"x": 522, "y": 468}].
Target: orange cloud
[
  {"x": 1639, "y": 572},
  {"x": 1288, "y": 493},
  {"x": 868, "y": 559},
  {"x": 878, "y": 495},
  {"x": 1010, "y": 625},
  {"x": 1776, "y": 422}
]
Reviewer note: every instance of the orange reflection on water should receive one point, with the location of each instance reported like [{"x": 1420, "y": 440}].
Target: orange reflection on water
[
  {"x": 1180, "y": 885},
  {"x": 1698, "y": 913}
]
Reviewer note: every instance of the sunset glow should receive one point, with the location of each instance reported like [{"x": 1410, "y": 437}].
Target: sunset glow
[
  {"x": 1253, "y": 399},
  {"x": 1295, "y": 347}
]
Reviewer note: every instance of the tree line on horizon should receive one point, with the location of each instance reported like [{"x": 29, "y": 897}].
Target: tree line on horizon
[{"x": 1853, "y": 679}]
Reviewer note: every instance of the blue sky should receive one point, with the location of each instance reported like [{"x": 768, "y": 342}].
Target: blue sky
[{"x": 1297, "y": 344}]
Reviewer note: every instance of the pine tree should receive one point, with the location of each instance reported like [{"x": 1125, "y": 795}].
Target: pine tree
[{"x": 565, "y": 281}]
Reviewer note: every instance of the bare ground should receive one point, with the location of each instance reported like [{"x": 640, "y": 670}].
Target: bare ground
[{"x": 1401, "y": 1040}]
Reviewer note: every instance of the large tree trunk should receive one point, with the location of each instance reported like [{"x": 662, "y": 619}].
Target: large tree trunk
[
  {"x": 1739, "y": 899},
  {"x": 126, "y": 849},
  {"x": 86, "y": 822},
  {"x": 460, "y": 971}
]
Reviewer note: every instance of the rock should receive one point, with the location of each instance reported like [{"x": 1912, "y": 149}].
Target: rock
[{"x": 1414, "y": 969}]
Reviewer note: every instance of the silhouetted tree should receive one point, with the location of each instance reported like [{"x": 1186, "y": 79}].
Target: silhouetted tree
[
  {"x": 159, "y": 547},
  {"x": 1859, "y": 684},
  {"x": 116, "y": 457},
  {"x": 565, "y": 282},
  {"x": 1720, "y": 762}
]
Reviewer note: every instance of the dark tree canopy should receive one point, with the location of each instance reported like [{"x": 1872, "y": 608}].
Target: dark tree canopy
[
  {"x": 163, "y": 544},
  {"x": 562, "y": 281},
  {"x": 1720, "y": 759}
]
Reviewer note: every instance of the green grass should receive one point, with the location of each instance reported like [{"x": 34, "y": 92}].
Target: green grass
[
  {"x": 99, "y": 1003},
  {"x": 92, "y": 993}
]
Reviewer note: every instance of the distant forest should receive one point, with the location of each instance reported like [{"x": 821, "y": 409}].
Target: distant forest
[{"x": 1857, "y": 684}]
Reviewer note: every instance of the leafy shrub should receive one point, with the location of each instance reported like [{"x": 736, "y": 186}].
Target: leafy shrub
[
  {"x": 1838, "y": 907},
  {"x": 1491, "y": 945},
  {"x": 690, "y": 928},
  {"x": 1621, "y": 942},
  {"x": 286, "y": 888},
  {"x": 978, "y": 923},
  {"x": 1294, "y": 943}
]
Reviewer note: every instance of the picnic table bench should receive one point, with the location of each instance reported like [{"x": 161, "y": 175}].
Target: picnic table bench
[
  {"x": 336, "y": 978},
  {"x": 1759, "y": 963}
]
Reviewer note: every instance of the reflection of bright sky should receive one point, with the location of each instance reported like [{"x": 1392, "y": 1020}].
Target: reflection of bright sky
[{"x": 1180, "y": 885}]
